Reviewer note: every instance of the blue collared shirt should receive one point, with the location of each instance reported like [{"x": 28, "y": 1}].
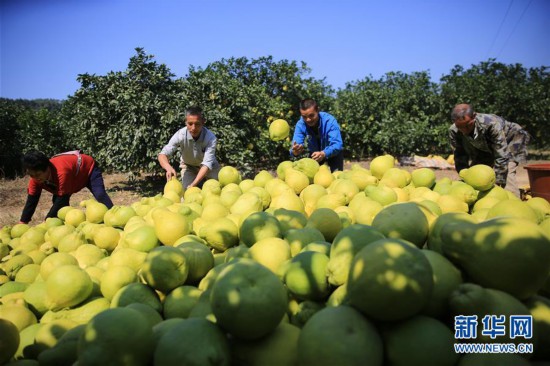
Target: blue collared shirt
[
  {"x": 194, "y": 153},
  {"x": 329, "y": 139}
]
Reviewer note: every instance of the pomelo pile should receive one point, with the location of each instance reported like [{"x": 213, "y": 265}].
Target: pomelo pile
[{"x": 298, "y": 267}]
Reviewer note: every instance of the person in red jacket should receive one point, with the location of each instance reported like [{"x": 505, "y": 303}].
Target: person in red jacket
[{"x": 62, "y": 175}]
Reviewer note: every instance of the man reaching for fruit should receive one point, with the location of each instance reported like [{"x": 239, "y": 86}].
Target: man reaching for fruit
[
  {"x": 490, "y": 140},
  {"x": 324, "y": 140},
  {"x": 62, "y": 175},
  {"x": 197, "y": 147}
]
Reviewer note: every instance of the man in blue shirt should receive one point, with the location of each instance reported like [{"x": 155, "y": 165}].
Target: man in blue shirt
[
  {"x": 324, "y": 141},
  {"x": 197, "y": 147}
]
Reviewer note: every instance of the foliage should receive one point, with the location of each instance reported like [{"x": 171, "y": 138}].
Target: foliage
[
  {"x": 510, "y": 91},
  {"x": 124, "y": 118},
  {"x": 391, "y": 115},
  {"x": 241, "y": 97}
]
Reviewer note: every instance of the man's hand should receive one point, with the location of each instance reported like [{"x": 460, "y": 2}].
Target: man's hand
[
  {"x": 297, "y": 149},
  {"x": 170, "y": 173},
  {"x": 318, "y": 156}
]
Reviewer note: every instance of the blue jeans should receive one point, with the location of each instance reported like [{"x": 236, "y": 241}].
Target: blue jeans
[{"x": 97, "y": 187}]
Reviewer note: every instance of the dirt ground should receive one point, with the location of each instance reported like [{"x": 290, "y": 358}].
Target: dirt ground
[{"x": 125, "y": 192}]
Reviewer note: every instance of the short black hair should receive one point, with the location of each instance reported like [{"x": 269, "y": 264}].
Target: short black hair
[
  {"x": 194, "y": 111},
  {"x": 307, "y": 103},
  {"x": 35, "y": 160}
]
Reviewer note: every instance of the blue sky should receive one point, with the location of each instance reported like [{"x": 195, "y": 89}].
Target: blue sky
[{"x": 45, "y": 44}]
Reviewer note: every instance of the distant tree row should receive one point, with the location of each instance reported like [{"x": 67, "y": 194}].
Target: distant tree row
[{"x": 124, "y": 118}]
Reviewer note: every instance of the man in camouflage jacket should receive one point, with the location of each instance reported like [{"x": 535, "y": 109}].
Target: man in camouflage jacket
[{"x": 488, "y": 139}]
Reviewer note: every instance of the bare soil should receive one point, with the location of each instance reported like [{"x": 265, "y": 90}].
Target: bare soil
[{"x": 125, "y": 191}]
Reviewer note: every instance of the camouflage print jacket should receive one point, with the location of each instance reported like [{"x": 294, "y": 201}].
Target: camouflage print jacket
[{"x": 493, "y": 142}]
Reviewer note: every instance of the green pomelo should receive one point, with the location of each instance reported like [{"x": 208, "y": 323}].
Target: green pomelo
[
  {"x": 419, "y": 340},
  {"x": 344, "y": 247},
  {"x": 193, "y": 341},
  {"x": 165, "y": 268},
  {"x": 180, "y": 301},
  {"x": 398, "y": 277},
  {"x": 248, "y": 300},
  {"x": 305, "y": 276},
  {"x": 507, "y": 254},
  {"x": 403, "y": 221},
  {"x": 359, "y": 343}
]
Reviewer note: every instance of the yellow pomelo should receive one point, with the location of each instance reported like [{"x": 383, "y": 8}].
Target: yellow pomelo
[
  {"x": 19, "y": 315},
  {"x": 331, "y": 200},
  {"x": 485, "y": 203},
  {"x": 63, "y": 212},
  {"x": 53, "y": 261},
  {"x": 261, "y": 179},
  {"x": 541, "y": 207},
  {"x": 317, "y": 346},
  {"x": 323, "y": 177},
  {"x": 118, "y": 216},
  {"x": 246, "y": 204},
  {"x": 277, "y": 348},
  {"x": 380, "y": 164},
  {"x": 246, "y": 184},
  {"x": 281, "y": 168},
  {"x": 199, "y": 259},
  {"x": 395, "y": 272},
  {"x": 165, "y": 268},
  {"x": 95, "y": 274},
  {"x": 463, "y": 192},
  {"x": 35, "y": 235},
  {"x": 142, "y": 238},
  {"x": 94, "y": 210},
  {"x": 263, "y": 195},
  {"x": 346, "y": 187},
  {"x": 258, "y": 226},
  {"x": 115, "y": 278},
  {"x": 364, "y": 210},
  {"x": 120, "y": 336},
  {"x": 362, "y": 178},
  {"x": 403, "y": 221},
  {"x": 481, "y": 177},
  {"x": 184, "y": 344},
  {"x": 423, "y": 177},
  {"x": 496, "y": 192},
  {"x": 18, "y": 229},
  {"x": 174, "y": 185},
  {"x": 308, "y": 166},
  {"x": 344, "y": 247},
  {"x": 172, "y": 196},
  {"x": 318, "y": 246},
  {"x": 248, "y": 300},
  {"x": 220, "y": 234},
  {"x": 211, "y": 186},
  {"x": 326, "y": 221},
  {"x": 169, "y": 226},
  {"x": 450, "y": 203},
  {"x": 49, "y": 334},
  {"x": 420, "y": 340},
  {"x": 296, "y": 179},
  {"x": 289, "y": 219},
  {"x": 395, "y": 177},
  {"x": 28, "y": 273},
  {"x": 180, "y": 301},
  {"x": 381, "y": 194},
  {"x": 231, "y": 187},
  {"x": 127, "y": 257},
  {"x": 214, "y": 211},
  {"x": 107, "y": 238},
  {"x": 9, "y": 340},
  {"x": 192, "y": 191},
  {"x": 299, "y": 238},
  {"x": 75, "y": 217},
  {"x": 279, "y": 130},
  {"x": 67, "y": 286},
  {"x": 228, "y": 175},
  {"x": 65, "y": 350},
  {"x": 270, "y": 252},
  {"x": 289, "y": 200},
  {"x": 512, "y": 208},
  {"x": 228, "y": 198}
]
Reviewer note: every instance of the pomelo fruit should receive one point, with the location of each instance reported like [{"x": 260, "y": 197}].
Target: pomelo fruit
[
  {"x": 165, "y": 268},
  {"x": 403, "y": 221},
  {"x": 279, "y": 130},
  {"x": 481, "y": 177},
  {"x": 248, "y": 300}
]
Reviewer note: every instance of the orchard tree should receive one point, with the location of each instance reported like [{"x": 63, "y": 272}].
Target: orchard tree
[
  {"x": 241, "y": 97},
  {"x": 124, "y": 118}
]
